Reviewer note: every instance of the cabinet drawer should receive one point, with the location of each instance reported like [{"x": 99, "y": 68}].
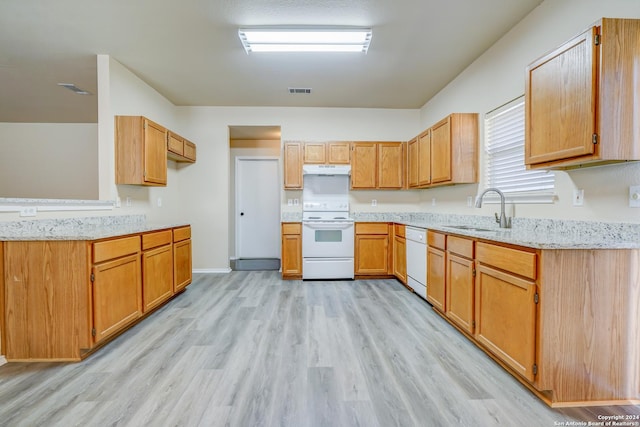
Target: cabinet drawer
[
  {"x": 372, "y": 228},
  {"x": 436, "y": 240},
  {"x": 116, "y": 248},
  {"x": 181, "y": 233},
  {"x": 291, "y": 228},
  {"x": 398, "y": 230},
  {"x": 158, "y": 238},
  {"x": 460, "y": 246},
  {"x": 515, "y": 261}
]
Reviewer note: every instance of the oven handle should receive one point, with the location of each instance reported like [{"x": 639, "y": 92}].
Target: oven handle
[{"x": 327, "y": 225}]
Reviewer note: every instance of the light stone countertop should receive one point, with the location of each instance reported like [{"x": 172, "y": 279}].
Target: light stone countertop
[
  {"x": 81, "y": 228},
  {"x": 527, "y": 232}
]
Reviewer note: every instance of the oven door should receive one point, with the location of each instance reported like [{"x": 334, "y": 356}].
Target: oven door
[{"x": 327, "y": 239}]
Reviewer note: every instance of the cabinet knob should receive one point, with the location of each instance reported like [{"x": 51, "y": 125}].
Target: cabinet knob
[{"x": 241, "y": 213}]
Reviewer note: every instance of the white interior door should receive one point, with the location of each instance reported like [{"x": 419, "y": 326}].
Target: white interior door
[{"x": 257, "y": 208}]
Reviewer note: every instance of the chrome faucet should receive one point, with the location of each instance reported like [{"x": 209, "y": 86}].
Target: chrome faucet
[{"x": 503, "y": 220}]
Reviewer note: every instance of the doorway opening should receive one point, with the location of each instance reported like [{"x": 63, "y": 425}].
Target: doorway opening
[{"x": 254, "y": 208}]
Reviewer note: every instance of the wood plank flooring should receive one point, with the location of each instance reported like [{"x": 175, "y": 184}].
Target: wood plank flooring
[{"x": 248, "y": 349}]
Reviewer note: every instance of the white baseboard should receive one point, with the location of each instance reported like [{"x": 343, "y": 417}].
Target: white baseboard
[{"x": 211, "y": 270}]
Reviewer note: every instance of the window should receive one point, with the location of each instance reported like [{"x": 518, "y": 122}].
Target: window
[{"x": 504, "y": 144}]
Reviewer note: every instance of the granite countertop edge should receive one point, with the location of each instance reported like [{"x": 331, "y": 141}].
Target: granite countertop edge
[
  {"x": 529, "y": 233},
  {"x": 80, "y": 228}
]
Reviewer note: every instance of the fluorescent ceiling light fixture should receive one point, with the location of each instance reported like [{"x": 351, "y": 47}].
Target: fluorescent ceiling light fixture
[
  {"x": 305, "y": 39},
  {"x": 74, "y": 88}
]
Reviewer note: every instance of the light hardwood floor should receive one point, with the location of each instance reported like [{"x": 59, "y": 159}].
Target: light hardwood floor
[{"x": 248, "y": 349}]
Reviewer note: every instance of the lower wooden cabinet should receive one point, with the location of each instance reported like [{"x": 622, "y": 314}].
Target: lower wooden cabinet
[
  {"x": 157, "y": 269},
  {"x": 436, "y": 268},
  {"x": 62, "y": 299},
  {"x": 372, "y": 249},
  {"x": 291, "y": 250},
  {"x": 117, "y": 295},
  {"x": 46, "y": 296},
  {"x": 506, "y": 318},
  {"x": 182, "y": 263},
  {"x": 460, "y": 283},
  {"x": 399, "y": 253}
]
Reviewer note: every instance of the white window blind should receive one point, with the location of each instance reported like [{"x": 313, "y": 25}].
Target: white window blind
[{"x": 504, "y": 143}]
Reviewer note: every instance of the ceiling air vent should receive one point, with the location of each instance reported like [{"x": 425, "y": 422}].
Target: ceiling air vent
[{"x": 294, "y": 90}]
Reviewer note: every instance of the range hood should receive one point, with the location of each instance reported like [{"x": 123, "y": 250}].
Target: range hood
[{"x": 326, "y": 169}]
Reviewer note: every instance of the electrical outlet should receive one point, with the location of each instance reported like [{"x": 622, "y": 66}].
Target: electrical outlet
[
  {"x": 118, "y": 202},
  {"x": 289, "y": 202},
  {"x": 374, "y": 202},
  {"x": 469, "y": 201},
  {"x": 433, "y": 201},
  {"x": 296, "y": 202},
  {"x": 28, "y": 211},
  {"x": 634, "y": 196},
  {"x": 578, "y": 197},
  {"x": 159, "y": 202},
  {"x": 128, "y": 202}
]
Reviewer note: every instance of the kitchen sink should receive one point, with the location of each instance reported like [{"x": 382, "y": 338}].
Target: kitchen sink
[{"x": 471, "y": 228}]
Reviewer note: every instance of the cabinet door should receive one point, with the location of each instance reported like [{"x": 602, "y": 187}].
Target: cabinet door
[
  {"x": 291, "y": 255},
  {"x": 390, "y": 170},
  {"x": 117, "y": 295},
  {"x": 441, "y": 151},
  {"x": 157, "y": 276},
  {"x": 339, "y": 153},
  {"x": 181, "y": 265},
  {"x": 400, "y": 258},
  {"x": 364, "y": 159},
  {"x": 561, "y": 101},
  {"x": 292, "y": 165},
  {"x": 155, "y": 153},
  {"x": 506, "y": 318},
  {"x": 315, "y": 153},
  {"x": 175, "y": 144},
  {"x": 460, "y": 291},
  {"x": 424, "y": 158},
  {"x": 372, "y": 254},
  {"x": 436, "y": 268},
  {"x": 412, "y": 162},
  {"x": 189, "y": 150}
]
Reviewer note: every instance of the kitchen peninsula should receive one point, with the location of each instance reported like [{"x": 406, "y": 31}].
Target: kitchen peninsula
[{"x": 71, "y": 285}]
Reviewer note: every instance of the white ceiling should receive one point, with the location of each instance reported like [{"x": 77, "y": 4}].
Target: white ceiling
[{"x": 189, "y": 51}]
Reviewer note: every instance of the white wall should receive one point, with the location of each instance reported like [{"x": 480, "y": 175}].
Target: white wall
[
  {"x": 206, "y": 185},
  {"x": 498, "y": 77},
  {"x": 33, "y": 154}
]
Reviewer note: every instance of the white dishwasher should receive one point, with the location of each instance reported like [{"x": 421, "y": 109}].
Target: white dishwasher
[{"x": 417, "y": 259}]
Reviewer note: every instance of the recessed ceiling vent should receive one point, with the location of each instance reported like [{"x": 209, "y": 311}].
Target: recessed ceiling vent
[{"x": 294, "y": 90}]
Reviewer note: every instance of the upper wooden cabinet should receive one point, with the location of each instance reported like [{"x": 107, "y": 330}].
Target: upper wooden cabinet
[
  {"x": 446, "y": 153},
  {"x": 292, "y": 165},
  {"x": 141, "y": 151},
  {"x": 338, "y": 152},
  {"x": 297, "y": 153},
  {"x": 581, "y": 99},
  {"x": 333, "y": 153},
  {"x": 377, "y": 165},
  {"x": 142, "y": 148},
  {"x": 180, "y": 149},
  {"x": 424, "y": 158},
  {"x": 315, "y": 153}
]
